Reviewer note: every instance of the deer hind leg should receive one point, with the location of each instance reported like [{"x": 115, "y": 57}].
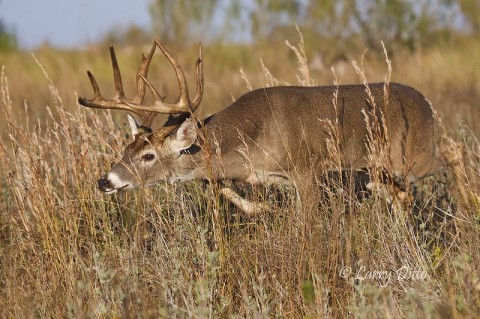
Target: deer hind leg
[
  {"x": 391, "y": 187},
  {"x": 452, "y": 154}
]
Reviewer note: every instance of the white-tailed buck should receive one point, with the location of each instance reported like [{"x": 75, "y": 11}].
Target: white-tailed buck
[{"x": 269, "y": 135}]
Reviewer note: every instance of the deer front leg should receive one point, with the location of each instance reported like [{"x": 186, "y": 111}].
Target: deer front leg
[
  {"x": 248, "y": 207},
  {"x": 257, "y": 178}
]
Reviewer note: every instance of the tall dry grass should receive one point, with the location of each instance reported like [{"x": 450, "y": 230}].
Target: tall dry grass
[
  {"x": 329, "y": 250},
  {"x": 447, "y": 75}
]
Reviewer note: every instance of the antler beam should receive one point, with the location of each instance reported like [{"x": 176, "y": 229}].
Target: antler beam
[{"x": 136, "y": 105}]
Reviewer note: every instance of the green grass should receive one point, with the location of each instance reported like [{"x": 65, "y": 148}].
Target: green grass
[{"x": 176, "y": 251}]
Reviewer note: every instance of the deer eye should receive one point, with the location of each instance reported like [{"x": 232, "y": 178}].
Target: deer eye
[{"x": 148, "y": 157}]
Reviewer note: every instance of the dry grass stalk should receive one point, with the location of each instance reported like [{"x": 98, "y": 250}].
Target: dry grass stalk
[{"x": 176, "y": 251}]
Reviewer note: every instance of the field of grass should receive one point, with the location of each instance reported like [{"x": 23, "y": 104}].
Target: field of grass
[{"x": 181, "y": 251}]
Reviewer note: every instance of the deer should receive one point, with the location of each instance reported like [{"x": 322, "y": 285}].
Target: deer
[{"x": 265, "y": 135}]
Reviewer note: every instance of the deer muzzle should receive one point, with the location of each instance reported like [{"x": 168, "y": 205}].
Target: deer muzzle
[
  {"x": 111, "y": 183},
  {"x": 104, "y": 184}
]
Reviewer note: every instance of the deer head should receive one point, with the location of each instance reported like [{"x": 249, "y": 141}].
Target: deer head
[{"x": 157, "y": 155}]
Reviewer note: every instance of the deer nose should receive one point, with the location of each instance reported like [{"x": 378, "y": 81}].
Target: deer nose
[{"x": 104, "y": 184}]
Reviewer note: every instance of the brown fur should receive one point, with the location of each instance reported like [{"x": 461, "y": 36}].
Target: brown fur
[
  {"x": 269, "y": 133},
  {"x": 283, "y": 127}
]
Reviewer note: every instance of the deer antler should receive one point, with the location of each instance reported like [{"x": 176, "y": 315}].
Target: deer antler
[{"x": 183, "y": 106}]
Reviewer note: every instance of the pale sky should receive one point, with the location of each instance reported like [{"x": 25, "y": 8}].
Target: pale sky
[{"x": 68, "y": 23}]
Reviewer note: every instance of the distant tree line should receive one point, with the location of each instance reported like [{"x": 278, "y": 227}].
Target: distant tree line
[
  {"x": 410, "y": 23},
  {"x": 8, "y": 39}
]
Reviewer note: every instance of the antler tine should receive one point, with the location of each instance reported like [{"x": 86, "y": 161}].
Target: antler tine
[
  {"x": 183, "y": 107},
  {"x": 199, "y": 90},
  {"x": 99, "y": 102},
  {"x": 148, "y": 116},
  {"x": 119, "y": 102},
  {"x": 183, "y": 103},
  {"x": 142, "y": 72},
  {"x": 96, "y": 88},
  {"x": 176, "y": 118},
  {"x": 117, "y": 77}
]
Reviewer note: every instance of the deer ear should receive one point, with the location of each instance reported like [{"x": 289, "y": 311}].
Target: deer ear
[
  {"x": 133, "y": 125},
  {"x": 185, "y": 136}
]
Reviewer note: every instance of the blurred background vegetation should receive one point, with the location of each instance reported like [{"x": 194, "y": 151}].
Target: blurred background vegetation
[
  {"x": 434, "y": 45},
  {"x": 405, "y": 23},
  {"x": 8, "y": 40},
  {"x": 67, "y": 251}
]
